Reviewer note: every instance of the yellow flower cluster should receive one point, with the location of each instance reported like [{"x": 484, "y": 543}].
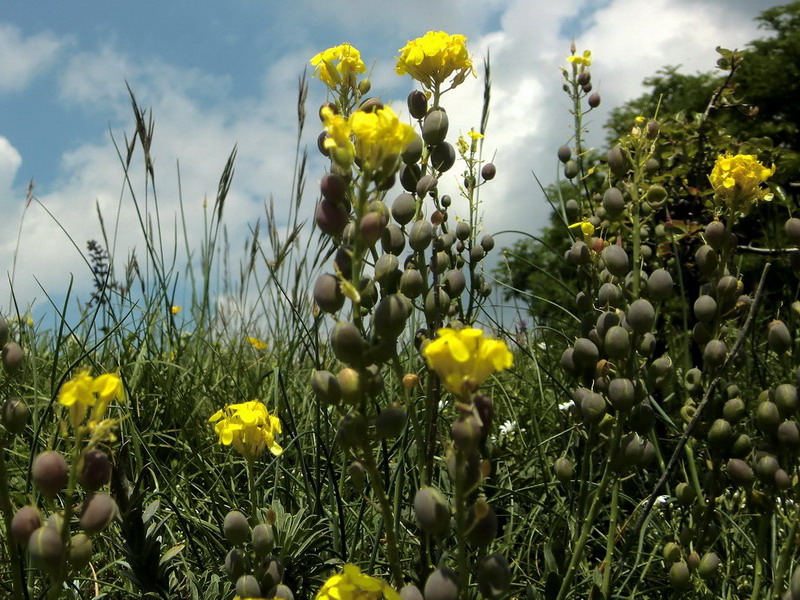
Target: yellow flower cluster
[
  {"x": 464, "y": 358},
  {"x": 352, "y": 584},
  {"x": 581, "y": 60},
  {"x": 737, "y": 180},
  {"x": 379, "y": 136},
  {"x": 434, "y": 57},
  {"x": 84, "y": 392},
  {"x": 249, "y": 427},
  {"x": 338, "y": 66}
]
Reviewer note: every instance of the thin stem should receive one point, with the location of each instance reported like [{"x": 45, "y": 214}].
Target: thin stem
[
  {"x": 786, "y": 555},
  {"x": 761, "y": 555},
  {"x": 461, "y": 527},
  {"x": 251, "y": 487},
  {"x": 612, "y": 536},
  {"x": 8, "y": 510}
]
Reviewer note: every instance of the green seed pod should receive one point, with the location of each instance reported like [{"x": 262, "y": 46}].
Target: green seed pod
[
  {"x": 578, "y": 254},
  {"x": 417, "y": 104},
  {"x": 98, "y": 512},
  {"x": 617, "y": 343},
  {"x": 434, "y": 126},
  {"x": 25, "y": 521},
  {"x": 715, "y": 353},
  {"x": 434, "y": 308},
  {"x": 656, "y": 193},
  {"x": 236, "y": 528},
  {"x": 593, "y": 100},
  {"x": 487, "y": 243},
  {"x": 455, "y": 283},
  {"x": 792, "y": 228},
  {"x": 14, "y": 415},
  {"x": 614, "y": 203},
  {"x": 734, "y": 410},
  {"x": 605, "y": 322},
  {"x": 709, "y": 565},
  {"x": 720, "y": 435},
  {"x": 567, "y": 363},
  {"x": 648, "y": 345},
  {"x": 12, "y": 357},
  {"x": 442, "y": 584},
  {"x": 281, "y": 592},
  {"x": 409, "y": 176},
  {"x": 443, "y": 157},
  {"x": 685, "y": 494},
  {"x": 782, "y": 480},
  {"x": 571, "y": 169},
  {"x": 693, "y": 560},
  {"x": 331, "y": 217},
  {"x": 693, "y": 380},
  {"x": 411, "y": 283},
  {"x": 391, "y": 421},
  {"x": 768, "y": 417},
  {"x": 385, "y": 267},
  {"x": 421, "y": 235},
  {"x": 236, "y": 564},
  {"x": 3, "y": 332},
  {"x": 351, "y": 385},
  {"x": 786, "y": 399},
  {"x": 263, "y": 539},
  {"x": 585, "y": 355},
  {"x": 333, "y": 187},
  {"x": 728, "y": 288},
  {"x": 616, "y": 260},
  {"x": 352, "y": 430},
  {"x": 45, "y": 548},
  {"x": 326, "y": 387},
  {"x": 390, "y": 315},
  {"x": 393, "y": 240},
  {"x": 651, "y": 165},
  {"x": 716, "y": 234},
  {"x": 476, "y": 254},
  {"x": 779, "y": 339},
  {"x": 766, "y": 467},
  {"x": 94, "y": 470},
  {"x": 593, "y": 407},
  {"x": 659, "y": 285},
  {"x": 741, "y": 446},
  {"x": 357, "y": 474},
  {"x": 563, "y": 469},
  {"x": 564, "y": 153},
  {"x": 641, "y": 316},
  {"x": 427, "y": 184},
  {"x": 707, "y": 259},
  {"x": 739, "y": 472},
  {"x": 679, "y": 575},
  {"x": 403, "y": 208},
  {"x": 788, "y": 435},
  {"x": 642, "y": 418},
  {"x": 347, "y": 343},
  {"x": 609, "y": 295},
  {"x": 432, "y": 511},
  {"x": 247, "y": 587},
  {"x": 270, "y": 573},
  {"x": 671, "y": 552},
  {"x": 494, "y": 576},
  {"x": 80, "y": 551},
  {"x": 572, "y": 209},
  {"x": 49, "y": 472},
  {"x": 482, "y": 528},
  {"x": 705, "y": 308},
  {"x": 621, "y": 393},
  {"x": 617, "y": 162}
]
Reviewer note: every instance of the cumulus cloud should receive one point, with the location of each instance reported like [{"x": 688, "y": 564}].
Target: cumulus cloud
[{"x": 23, "y": 58}]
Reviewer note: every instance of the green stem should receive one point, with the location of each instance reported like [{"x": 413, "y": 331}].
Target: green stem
[
  {"x": 8, "y": 514},
  {"x": 761, "y": 555},
  {"x": 786, "y": 555},
  {"x": 461, "y": 527},
  {"x": 251, "y": 487},
  {"x": 611, "y": 539},
  {"x": 633, "y": 189},
  {"x": 58, "y": 576}
]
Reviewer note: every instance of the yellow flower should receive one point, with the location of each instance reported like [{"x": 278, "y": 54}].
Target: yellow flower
[
  {"x": 249, "y": 427},
  {"x": 84, "y": 391},
  {"x": 434, "y": 57},
  {"x": 380, "y": 136},
  {"x": 176, "y": 309},
  {"x": 464, "y": 359},
  {"x": 585, "y": 226},
  {"x": 352, "y": 584},
  {"x": 257, "y": 343},
  {"x": 737, "y": 180},
  {"x": 338, "y": 66},
  {"x": 585, "y": 60},
  {"x": 474, "y": 135},
  {"x": 338, "y": 143}
]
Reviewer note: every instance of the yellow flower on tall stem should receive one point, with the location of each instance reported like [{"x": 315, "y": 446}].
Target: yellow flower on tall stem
[
  {"x": 338, "y": 66},
  {"x": 84, "y": 392},
  {"x": 352, "y": 584},
  {"x": 581, "y": 60},
  {"x": 464, "y": 358},
  {"x": 435, "y": 57},
  {"x": 737, "y": 181},
  {"x": 249, "y": 427}
]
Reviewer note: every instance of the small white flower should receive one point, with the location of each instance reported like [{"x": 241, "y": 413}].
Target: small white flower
[
  {"x": 566, "y": 405},
  {"x": 507, "y": 428},
  {"x": 661, "y": 500}
]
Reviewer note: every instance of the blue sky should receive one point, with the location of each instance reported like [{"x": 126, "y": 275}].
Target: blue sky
[{"x": 217, "y": 75}]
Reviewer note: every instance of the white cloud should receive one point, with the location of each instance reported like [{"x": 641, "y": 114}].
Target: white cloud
[
  {"x": 23, "y": 58},
  {"x": 10, "y": 161}
]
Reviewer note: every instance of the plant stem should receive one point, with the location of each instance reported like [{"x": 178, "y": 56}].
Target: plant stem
[
  {"x": 8, "y": 510},
  {"x": 251, "y": 487},
  {"x": 461, "y": 527},
  {"x": 786, "y": 555},
  {"x": 612, "y": 535},
  {"x": 761, "y": 543}
]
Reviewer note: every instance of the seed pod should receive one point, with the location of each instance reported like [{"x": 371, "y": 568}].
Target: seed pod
[
  {"x": 709, "y": 565},
  {"x": 715, "y": 353},
  {"x": 98, "y": 512},
  {"x": 411, "y": 283},
  {"x": 410, "y": 592},
  {"x": 385, "y": 268},
  {"x": 707, "y": 259},
  {"x": 641, "y": 316},
  {"x": 578, "y": 254},
  {"x": 572, "y": 209},
  {"x": 351, "y": 430},
  {"x": 236, "y": 564},
  {"x": 390, "y": 315},
  {"x": 95, "y": 470},
  {"x": 720, "y": 435},
  {"x": 409, "y": 176},
  {"x": 564, "y": 153},
  {"x": 49, "y": 472},
  {"x": 326, "y": 387},
  {"x": 494, "y": 576},
  {"x": 328, "y": 294},
  {"x": 734, "y": 410},
  {"x": 613, "y": 202},
  {"x": 716, "y": 234},
  {"x": 482, "y": 524},
  {"x": 488, "y": 171},
  {"x": 741, "y": 446},
  {"x": 739, "y": 472},
  {"x": 585, "y": 355},
  {"x": 331, "y": 217},
  {"x": 247, "y": 587},
  {"x": 426, "y": 185},
  {"x": 605, "y": 322},
  {"x": 609, "y": 295},
  {"x": 659, "y": 285},
  {"x": 728, "y": 288},
  {"x": 679, "y": 575},
  {"x": 347, "y": 344},
  {"x": 792, "y": 228},
  {"x": 779, "y": 339},
  {"x": 403, "y": 208},
  {"x": 45, "y": 548},
  {"x": 617, "y": 343},
  {"x": 263, "y": 539},
  {"x": 782, "y": 480},
  {"x": 333, "y": 187},
  {"x": 434, "y": 308},
  {"x": 443, "y": 157},
  {"x": 786, "y": 399},
  {"x": 25, "y": 521},
  {"x": 476, "y": 254},
  {"x": 390, "y": 421},
  {"x": 434, "y": 127},
  {"x": 584, "y": 77},
  {"x": 281, "y": 592},
  {"x": 236, "y": 528},
  {"x": 671, "y": 552},
  {"x": 455, "y": 282},
  {"x": 3, "y": 332},
  {"x": 621, "y": 393},
  {"x": 12, "y": 357},
  {"x": 432, "y": 511},
  {"x": 685, "y": 494},
  {"x": 788, "y": 435},
  {"x": 701, "y": 333},
  {"x": 417, "y": 104},
  {"x": 594, "y": 100},
  {"x": 616, "y": 260},
  {"x": 351, "y": 385},
  {"x": 767, "y": 417},
  {"x": 705, "y": 308},
  {"x": 14, "y": 415},
  {"x": 571, "y": 169},
  {"x": 567, "y": 362},
  {"x": 80, "y": 551},
  {"x": 563, "y": 469},
  {"x": 421, "y": 235},
  {"x": 693, "y": 560},
  {"x": 357, "y": 474},
  {"x": 593, "y": 407},
  {"x": 617, "y": 162},
  {"x": 442, "y": 584},
  {"x": 766, "y": 467},
  {"x": 270, "y": 573}
]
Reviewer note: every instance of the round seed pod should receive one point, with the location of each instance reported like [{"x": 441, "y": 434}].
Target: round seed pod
[
  {"x": 427, "y": 184},
  {"x": 630, "y": 452},
  {"x": 80, "y": 551},
  {"x": 679, "y": 575},
  {"x": 14, "y": 415},
  {"x": 421, "y": 235},
  {"x": 605, "y": 322},
  {"x": 494, "y": 576},
  {"x": 616, "y": 260},
  {"x": 435, "y": 126},
  {"x": 403, "y": 208},
  {"x": 572, "y": 209},
  {"x": 701, "y": 333},
  {"x": 357, "y": 474},
  {"x": 715, "y": 353},
  {"x": 563, "y": 469},
  {"x": 432, "y": 511},
  {"x": 351, "y": 430},
  {"x": 578, "y": 254},
  {"x": 648, "y": 345},
  {"x": 593, "y": 407},
  {"x": 351, "y": 385},
  {"x": 488, "y": 171},
  {"x": 390, "y": 315},
  {"x": 45, "y": 548},
  {"x": 411, "y": 283},
  {"x": 487, "y": 243},
  {"x": 390, "y": 421},
  {"x": 466, "y": 432},
  {"x": 343, "y": 262},
  {"x": 409, "y": 176},
  {"x": 617, "y": 162},
  {"x": 413, "y": 151},
  {"x": 609, "y": 295},
  {"x": 564, "y": 153},
  {"x": 685, "y": 494},
  {"x": 331, "y": 217},
  {"x": 782, "y": 480},
  {"x": 728, "y": 288},
  {"x": 651, "y": 165},
  {"x": 709, "y": 565},
  {"x": 593, "y": 100},
  {"x": 442, "y": 584},
  {"x": 371, "y": 227},
  {"x": 739, "y": 472},
  {"x": 236, "y": 564},
  {"x": 270, "y": 573},
  {"x": 734, "y": 410},
  {"x": 659, "y": 285},
  {"x": 794, "y": 588},
  {"x": 3, "y": 332},
  {"x": 476, "y": 254},
  {"x": 440, "y": 262},
  {"x": 281, "y": 592},
  {"x": 671, "y": 552},
  {"x": 571, "y": 169},
  {"x": 767, "y": 417},
  {"x": 385, "y": 268},
  {"x": 642, "y": 418},
  {"x": 236, "y": 528},
  {"x": 720, "y": 435},
  {"x": 443, "y": 157},
  {"x": 766, "y": 467},
  {"x": 49, "y": 472},
  {"x": 12, "y": 357},
  {"x": 779, "y": 339},
  {"x": 567, "y": 363},
  {"x": 347, "y": 343},
  {"x": 25, "y": 521},
  {"x": 617, "y": 342},
  {"x": 455, "y": 282},
  {"x": 321, "y": 143},
  {"x": 463, "y": 230},
  {"x": 98, "y": 512},
  {"x": 410, "y": 592},
  {"x": 788, "y": 435},
  {"x": 786, "y": 399},
  {"x": 792, "y": 228},
  {"x": 95, "y": 470},
  {"x": 621, "y": 393},
  {"x": 707, "y": 259},
  {"x": 417, "y": 104},
  {"x": 693, "y": 560},
  {"x": 393, "y": 240},
  {"x": 741, "y": 446},
  {"x": 716, "y": 234},
  {"x": 641, "y": 316},
  {"x": 705, "y": 308},
  {"x": 585, "y": 355},
  {"x": 333, "y": 187},
  {"x": 614, "y": 203},
  {"x": 656, "y": 193},
  {"x": 693, "y": 380},
  {"x": 263, "y": 539},
  {"x": 434, "y": 308},
  {"x": 326, "y": 387},
  {"x": 482, "y": 529},
  {"x": 247, "y": 587},
  {"x": 584, "y": 77}
]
